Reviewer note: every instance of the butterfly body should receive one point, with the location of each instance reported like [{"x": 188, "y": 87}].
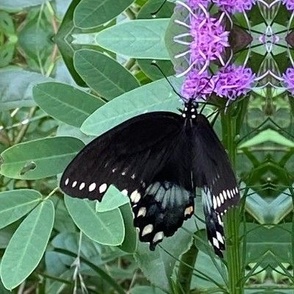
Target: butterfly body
[{"x": 158, "y": 159}]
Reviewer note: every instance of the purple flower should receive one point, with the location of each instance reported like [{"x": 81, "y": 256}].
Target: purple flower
[
  {"x": 233, "y": 6},
  {"x": 289, "y": 4},
  {"x": 288, "y": 80},
  {"x": 233, "y": 81},
  {"x": 197, "y": 86},
  {"x": 194, "y": 4},
  {"x": 207, "y": 39}
]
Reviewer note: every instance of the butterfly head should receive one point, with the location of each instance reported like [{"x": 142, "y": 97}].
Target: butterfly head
[{"x": 190, "y": 109}]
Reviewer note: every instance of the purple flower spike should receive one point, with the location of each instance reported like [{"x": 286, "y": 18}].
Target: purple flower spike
[
  {"x": 197, "y": 86},
  {"x": 233, "y": 6},
  {"x": 288, "y": 80},
  {"x": 206, "y": 39},
  {"x": 289, "y": 4},
  {"x": 209, "y": 39},
  {"x": 233, "y": 81}
]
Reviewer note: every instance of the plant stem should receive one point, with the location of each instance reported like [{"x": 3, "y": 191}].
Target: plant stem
[{"x": 232, "y": 218}]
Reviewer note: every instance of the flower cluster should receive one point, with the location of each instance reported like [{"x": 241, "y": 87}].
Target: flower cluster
[
  {"x": 208, "y": 39},
  {"x": 230, "y": 82},
  {"x": 197, "y": 86},
  {"x": 288, "y": 80},
  {"x": 289, "y": 4},
  {"x": 233, "y": 81}
]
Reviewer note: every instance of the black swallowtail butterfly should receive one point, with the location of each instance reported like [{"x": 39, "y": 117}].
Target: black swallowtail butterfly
[{"x": 158, "y": 159}]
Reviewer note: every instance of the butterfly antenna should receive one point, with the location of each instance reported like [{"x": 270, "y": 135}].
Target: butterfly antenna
[
  {"x": 158, "y": 67},
  {"x": 155, "y": 12}
]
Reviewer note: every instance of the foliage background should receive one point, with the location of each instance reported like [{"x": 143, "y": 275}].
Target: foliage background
[{"x": 51, "y": 106}]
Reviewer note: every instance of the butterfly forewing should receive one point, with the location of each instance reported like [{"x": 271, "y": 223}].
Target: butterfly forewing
[{"x": 126, "y": 156}]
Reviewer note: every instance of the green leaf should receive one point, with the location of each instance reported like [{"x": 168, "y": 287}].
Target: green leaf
[
  {"x": 112, "y": 199},
  {"x": 265, "y": 137},
  {"x": 19, "y": 4},
  {"x": 103, "y": 227},
  {"x": 27, "y": 245},
  {"x": 17, "y": 203},
  {"x": 155, "y": 96},
  {"x": 40, "y": 158},
  {"x": 65, "y": 103},
  {"x": 274, "y": 238},
  {"x": 137, "y": 39},
  {"x": 103, "y": 74},
  {"x": 92, "y": 13},
  {"x": 18, "y": 94},
  {"x": 131, "y": 238},
  {"x": 158, "y": 266}
]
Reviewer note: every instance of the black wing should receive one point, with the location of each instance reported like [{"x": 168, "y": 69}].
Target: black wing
[
  {"x": 212, "y": 171},
  {"x": 146, "y": 158}
]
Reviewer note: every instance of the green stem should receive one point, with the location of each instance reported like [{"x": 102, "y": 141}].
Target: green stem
[
  {"x": 186, "y": 267},
  {"x": 232, "y": 218}
]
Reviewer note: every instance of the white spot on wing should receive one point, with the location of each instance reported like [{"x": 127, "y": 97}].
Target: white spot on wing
[
  {"x": 92, "y": 187},
  {"x": 219, "y": 220},
  {"x": 219, "y": 237},
  {"x": 82, "y": 186},
  {"x": 66, "y": 182},
  {"x": 220, "y": 196},
  {"x": 135, "y": 196},
  {"x": 158, "y": 237},
  {"x": 74, "y": 184},
  {"x": 142, "y": 212},
  {"x": 218, "y": 201},
  {"x": 188, "y": 211},
  {"x": 214, "y": 202},
  {"x": 103, "y": 188},
  {"x": 125, "y": 192},
  {"x": 147, "y": 230},
  {"x": 215, "y": 243}
]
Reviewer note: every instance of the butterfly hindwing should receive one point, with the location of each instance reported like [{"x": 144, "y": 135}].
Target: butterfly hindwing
[{"x": 216, "y": 177}]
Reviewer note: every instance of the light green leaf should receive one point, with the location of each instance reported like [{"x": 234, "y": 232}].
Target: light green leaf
[
  {"x": 40, "y": 158},
  {"x": 65, "y": 103},
  {"x": 103, "y": 227},
  {"x": 17, "y": 5},
  {"x": 92, "y": 13},
  {"x": 266, "y": 136},
  {"x": 103, "y": 74},
  {"x": 137, "y": 39},
  {"x": 16, "y": 88},
  {"x": 155, "y": 96},
  {"x": 27, "y": 245},
  {"x": 17, "y": 203},
  {"x": 112, "y": 199}
]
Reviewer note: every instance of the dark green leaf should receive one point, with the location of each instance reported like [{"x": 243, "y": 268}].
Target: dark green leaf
[
  {"x": 27, "y": 245},
  {"x": 92, "y": 13},
  {"x": 155, "y": 96},
  {"x": 65, "y": 103},
  {"x": 103, "y": 74},
  {"x": 103, "y": 227},
  {"x": 137, "y": 39},
  {"x": 17, "y": 203},
  {"x": 40, "y": 158}
]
